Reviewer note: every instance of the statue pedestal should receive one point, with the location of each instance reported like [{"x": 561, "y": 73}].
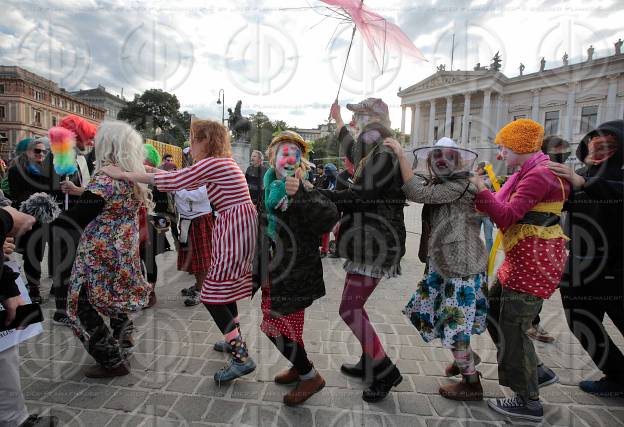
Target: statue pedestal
[{"x": 241, "y": 152}]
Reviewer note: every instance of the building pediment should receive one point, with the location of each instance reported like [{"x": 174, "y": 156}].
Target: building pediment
[{"x": 445, "y": 78}]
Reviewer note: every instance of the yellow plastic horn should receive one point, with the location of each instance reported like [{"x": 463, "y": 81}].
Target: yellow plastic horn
[
  {"x": 492, "y": 176},
  {"x": 499, "y": 235}
]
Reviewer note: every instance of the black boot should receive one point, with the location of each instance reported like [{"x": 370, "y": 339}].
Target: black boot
[
  {"x": 37, "y": 421},
  {"x": 385, "y": 376},
  {"x": 355, "y": 370}
]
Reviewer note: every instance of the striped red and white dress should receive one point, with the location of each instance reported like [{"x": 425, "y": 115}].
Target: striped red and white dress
[{"x": 235, "y": 226}]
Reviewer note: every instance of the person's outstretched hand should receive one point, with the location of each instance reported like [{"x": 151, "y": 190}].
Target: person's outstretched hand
[
  {"x": 10, "y": 305},
  {"x": 70, "y": 188},
  {"x": 567, "y": 173},
  {"x": 21, "y": 222},
  {"x": 292, "y": 185},
  {"x": 334, "y": 113},
  {"x": 394, "y": 145},
  {"x": 478, "y": 182},
  {"x": 114, "y": 172},
  {"x": 9, "y": 246}
]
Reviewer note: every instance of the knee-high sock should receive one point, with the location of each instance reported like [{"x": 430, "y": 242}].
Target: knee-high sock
[
  {"x": 225, "y": 322},
  {"x": 464, "y": 359}
]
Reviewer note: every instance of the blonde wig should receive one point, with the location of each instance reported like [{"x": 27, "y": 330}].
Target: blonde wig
[{"x": 117, "y": 143}]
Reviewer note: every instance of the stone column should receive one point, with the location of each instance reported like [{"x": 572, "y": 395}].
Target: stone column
[
  {"x": 611, "y": 97},
  {"x": 466, "y": 118},
  {"x": 570, "y": 107},
  {"x": 447, "y": 118},
  {"x": 403, "y": 108},
  {"x": 535, "y": 105},
  {"x": 432, "y": 113},
  {"x": 485, "y": 115},
  {"x": 501, "y": 113},
  {"x": 415, "y": 123}
]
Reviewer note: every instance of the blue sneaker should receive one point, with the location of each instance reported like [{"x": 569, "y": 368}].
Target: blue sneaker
[
  {"x": 604, "y": 387},
  {"x": 517, "y": 407},
  {"x": 546, "y": 376},
  {"x": 234, "y": 369}
]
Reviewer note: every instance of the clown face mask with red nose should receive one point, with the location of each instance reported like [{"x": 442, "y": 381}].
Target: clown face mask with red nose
[{"x": 287, "y": 159}]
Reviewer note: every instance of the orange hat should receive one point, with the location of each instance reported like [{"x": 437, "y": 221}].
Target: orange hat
[
  {"x": 521, "y": 136},
  {"x": 84, "y": 130}
]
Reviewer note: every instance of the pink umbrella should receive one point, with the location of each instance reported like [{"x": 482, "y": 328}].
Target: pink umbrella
[{"x": 376, "y": 31}]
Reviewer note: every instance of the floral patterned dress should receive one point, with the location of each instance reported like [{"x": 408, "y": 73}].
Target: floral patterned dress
[
  {"x": 107, "y": 261},
  {"x": 451, "y": 309}
]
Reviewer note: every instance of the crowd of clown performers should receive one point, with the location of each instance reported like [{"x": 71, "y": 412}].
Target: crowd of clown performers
[{"x": 260, "y": 231}]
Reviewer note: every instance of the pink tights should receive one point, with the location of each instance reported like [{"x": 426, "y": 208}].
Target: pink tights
[{"x": 356, "y": 291}]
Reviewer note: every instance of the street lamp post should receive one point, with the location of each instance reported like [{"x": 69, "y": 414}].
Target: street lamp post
[{"x": 222, "y": 92}]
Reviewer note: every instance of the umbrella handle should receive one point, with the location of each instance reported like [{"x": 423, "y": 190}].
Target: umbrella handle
[{"x": 344, "y": 69}]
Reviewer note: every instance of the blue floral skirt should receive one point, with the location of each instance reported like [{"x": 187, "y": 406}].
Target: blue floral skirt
[{"x": 451, "y": 309}]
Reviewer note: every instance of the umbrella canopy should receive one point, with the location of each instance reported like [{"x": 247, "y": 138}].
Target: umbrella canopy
[{"x": 377, "y": 32}]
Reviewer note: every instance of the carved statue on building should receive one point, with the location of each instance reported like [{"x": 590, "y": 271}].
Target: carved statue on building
[
  {"x": 542, "y": 64},
  {"x": 478, "y": 67},
  {"x": 521, "y": 68},
  {"x": 441, "y": 67},
  {"x": 496, "y": 62},
  {"x": 618, "y": 47},
  {"x": 565, "y": 59},
  {"x": 590, "y": 53}
]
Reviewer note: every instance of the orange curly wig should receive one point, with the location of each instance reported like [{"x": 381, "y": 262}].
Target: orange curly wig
[
  {"x": 209, "y": 139},
  {"x": 84, "y": 130},
  {"x": 521, "y": 136}
]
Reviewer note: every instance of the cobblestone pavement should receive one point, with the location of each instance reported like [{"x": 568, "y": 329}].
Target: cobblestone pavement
[{"x": 171, "y": 381}]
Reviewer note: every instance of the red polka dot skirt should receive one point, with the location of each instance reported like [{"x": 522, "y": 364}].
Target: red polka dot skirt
[
  {"x": 534, "y": 266},
  {"x": 290, "y": 325}
]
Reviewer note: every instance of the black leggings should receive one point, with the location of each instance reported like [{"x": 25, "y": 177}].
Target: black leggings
[
  {"x": 31, "y": 245},
  {"x": 294, "y": 352},
  {"x": 148, "y": 256},
  {"x": 224, "y": 315},
  {"x": 99, "y": 341}
]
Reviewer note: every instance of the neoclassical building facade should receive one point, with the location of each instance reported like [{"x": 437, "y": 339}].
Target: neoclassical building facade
[
  {"x": 471, "y": 106},
  {"x": 30, "y": 105}
]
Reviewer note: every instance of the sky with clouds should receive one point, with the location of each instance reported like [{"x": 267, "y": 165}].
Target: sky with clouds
[{"x": 285, "y": 58}]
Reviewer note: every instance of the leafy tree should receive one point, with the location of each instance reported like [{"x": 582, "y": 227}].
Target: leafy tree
[
  {"x": 261, "y": 131},
  {"x": 279, "y": 125},
  {"x": 326, "y": 146},
  {"x": 156, "y": 114}
]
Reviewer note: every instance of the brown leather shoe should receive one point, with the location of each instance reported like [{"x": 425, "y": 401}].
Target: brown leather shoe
[
  {"x": 452, "y": 369},
  {"x": 304, "y": 390},
  {"x": 98, "y": 371},
  {"x": 288, "y": 376},
  {"x": 537, "y": 332},
  {"x": 469, "y": 389}
]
